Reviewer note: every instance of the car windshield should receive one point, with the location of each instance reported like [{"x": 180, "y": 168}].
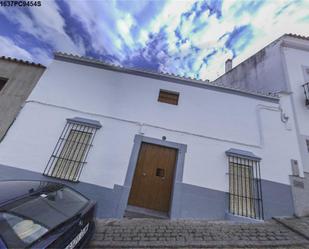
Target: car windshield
[{"x": 28, "y": 219}]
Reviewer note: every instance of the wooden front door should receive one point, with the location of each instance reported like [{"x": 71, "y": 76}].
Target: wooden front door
[{"x": 153, "y": 178}]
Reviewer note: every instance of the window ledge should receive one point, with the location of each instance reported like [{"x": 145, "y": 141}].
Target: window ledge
[
  {"x": 242, "y": 154},
  {"x": 84, "y": 121},
  {"x": 242, "y": 219}
]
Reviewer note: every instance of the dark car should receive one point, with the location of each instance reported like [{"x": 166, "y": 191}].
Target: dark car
[{"x": 37, "y": 214}]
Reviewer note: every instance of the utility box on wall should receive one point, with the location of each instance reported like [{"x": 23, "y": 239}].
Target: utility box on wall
[
  {"x": 295, "y": 168},
  {"x": 300, "y": 190}
]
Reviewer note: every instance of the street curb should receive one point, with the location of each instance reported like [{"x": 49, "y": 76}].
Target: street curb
[{"x": 291, "y": 228}]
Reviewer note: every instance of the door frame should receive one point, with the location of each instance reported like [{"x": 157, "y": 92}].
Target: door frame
[{"x": 174, "y": 211}]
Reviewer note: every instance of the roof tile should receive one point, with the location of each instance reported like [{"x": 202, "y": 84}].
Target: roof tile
[{"x": 21, "y": 61}]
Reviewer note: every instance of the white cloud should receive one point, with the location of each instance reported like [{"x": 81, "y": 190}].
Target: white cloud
[
  {"x": 109, "y": 24},
  {"x": 46, "y": 24},
  {"x": 111, "y": 30},
  {"x": 41, "y": 56},
  {"x": 124, "y": 26},
  {"x": 11, "y": 49},
  {"x": 267, "y": 27},
  {"x": 100, "y": 21}
]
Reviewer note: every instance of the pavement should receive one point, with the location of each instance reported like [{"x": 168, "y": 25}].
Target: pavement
[
  {"x": 298, "y": 225},
  {"x": 283, "y": 233}
]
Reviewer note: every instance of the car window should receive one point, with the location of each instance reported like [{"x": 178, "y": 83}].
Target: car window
[
  {"x": 25, "y": 229},
  {"x": 32, "y": 217}
]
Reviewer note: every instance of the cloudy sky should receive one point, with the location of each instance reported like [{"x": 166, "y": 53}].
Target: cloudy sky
[{"x": 188, "y": 38}]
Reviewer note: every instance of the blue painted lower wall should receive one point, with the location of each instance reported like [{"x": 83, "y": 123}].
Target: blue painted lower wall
[
  {"x": 191, "y": 202},
  {"x": 203, "y": 203},
  {"x": 277, "y": 199},
  {"x": 107, "y": 199},
  {"x": 200, "y": 203}
]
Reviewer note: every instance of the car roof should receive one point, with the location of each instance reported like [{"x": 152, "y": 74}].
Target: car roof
[{"x": 12, "y": 190}]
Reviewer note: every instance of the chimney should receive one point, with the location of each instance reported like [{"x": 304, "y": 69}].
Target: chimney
[{"x": 228, "y": 65}]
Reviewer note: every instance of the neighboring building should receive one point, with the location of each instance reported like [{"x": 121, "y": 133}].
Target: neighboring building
[
  {"x": 17, "y": 79},
  {"x": 153, "y": 143},
  {"x": 282, "y": 67}
]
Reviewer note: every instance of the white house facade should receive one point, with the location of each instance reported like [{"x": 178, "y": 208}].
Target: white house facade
[
  {"x": 157, "y": 144},
  {"x": 283, "y": 67}
]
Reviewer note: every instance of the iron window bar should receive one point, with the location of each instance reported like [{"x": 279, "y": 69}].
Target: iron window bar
[
  {"x": 306, "y": 92},
  {"x": 71, "y": 150},
  {"x": 245, "y": 186}
]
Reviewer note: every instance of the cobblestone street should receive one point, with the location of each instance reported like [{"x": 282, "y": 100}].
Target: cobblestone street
[{"x": 155, "y": 233}]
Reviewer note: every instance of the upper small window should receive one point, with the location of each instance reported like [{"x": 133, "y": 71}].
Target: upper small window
[
  {"x": 2, "y": 82},
  {"x": 168, "y": 97},
  {"x": 70, "y": 153},
  {"x": 307, "y": 142}
]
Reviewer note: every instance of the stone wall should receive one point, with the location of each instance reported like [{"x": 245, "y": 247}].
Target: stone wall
[
  {"x": 21, "y": 79},
  {"x": 300, "y": 190}
]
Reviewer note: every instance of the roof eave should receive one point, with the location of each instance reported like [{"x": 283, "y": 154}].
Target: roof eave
[
  {"x": 15, "y": 60},
  {"x": 191, "y": 82}
]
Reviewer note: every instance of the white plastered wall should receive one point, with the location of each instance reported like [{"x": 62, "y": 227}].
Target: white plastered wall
[
  {"x": 209, "y": 122},
  {"x": 297, "y": 66}
]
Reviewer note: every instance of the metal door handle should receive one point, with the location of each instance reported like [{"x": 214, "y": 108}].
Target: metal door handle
[{"x": 143, "y": 174}]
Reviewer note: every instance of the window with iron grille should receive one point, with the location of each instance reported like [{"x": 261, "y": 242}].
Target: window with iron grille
[
  {"x": 71, "y": 151},
  {"x": 245, "y": 189},
  {"x": 168, "y": 97},
  {"x": 2, "y": 82}
]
